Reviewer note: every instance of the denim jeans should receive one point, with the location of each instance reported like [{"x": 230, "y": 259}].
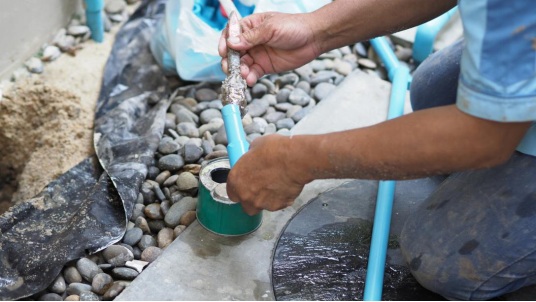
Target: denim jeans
[{"x": 474, "y": 238}]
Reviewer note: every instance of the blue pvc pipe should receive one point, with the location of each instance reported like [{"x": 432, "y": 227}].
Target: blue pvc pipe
[
  {"x": 386, "y": 54},
  {"x": 237, "y": 144},
  {"x": 94, "y": 20},
  {"x": 426, "y": 35},
  {"x": 384, "y": 201}
]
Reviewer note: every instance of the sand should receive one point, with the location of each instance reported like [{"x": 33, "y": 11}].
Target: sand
[{"x": 46, "y": 121}]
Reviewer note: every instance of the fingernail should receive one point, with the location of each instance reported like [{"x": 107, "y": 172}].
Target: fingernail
[{"x": 234, "y": 40}]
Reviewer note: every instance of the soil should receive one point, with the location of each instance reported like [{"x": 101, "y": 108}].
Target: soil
[{"x": 46, "y": 121}]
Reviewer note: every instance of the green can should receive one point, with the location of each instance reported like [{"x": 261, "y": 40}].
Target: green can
[{"x": 215, "y": 211}]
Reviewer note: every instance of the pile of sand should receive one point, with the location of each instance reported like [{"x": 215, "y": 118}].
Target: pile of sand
[{"x": 46, "y": 121}]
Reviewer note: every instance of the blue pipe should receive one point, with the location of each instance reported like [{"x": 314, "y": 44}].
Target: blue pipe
[
  {"x": 426, "y": 35},
  {"x": 95, "y": 22},
  {"x": 237, "y": 144},
  {"x": 386, "y": 188}
]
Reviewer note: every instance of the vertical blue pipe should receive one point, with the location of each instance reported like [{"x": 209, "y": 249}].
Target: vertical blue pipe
[
  {"x": 399, "y": 75},
  {"x": 237, "y": 144},
  {"x": 426, "y": 35},
  {"x": 95, "y": 22}
]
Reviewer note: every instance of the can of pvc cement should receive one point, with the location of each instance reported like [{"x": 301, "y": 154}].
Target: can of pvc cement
[{"x": 215, "y": 211}]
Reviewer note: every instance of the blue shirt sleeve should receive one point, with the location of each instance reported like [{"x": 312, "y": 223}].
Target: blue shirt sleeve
[{"x": 498, "y": 66}]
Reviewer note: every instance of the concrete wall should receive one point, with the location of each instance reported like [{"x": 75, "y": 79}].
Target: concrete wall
[{"x": 25, "y": 25}]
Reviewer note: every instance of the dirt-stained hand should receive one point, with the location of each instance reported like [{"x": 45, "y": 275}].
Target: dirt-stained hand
[
  {"x": 271, "y": 43},
  {"x": 262, "y": 179}
]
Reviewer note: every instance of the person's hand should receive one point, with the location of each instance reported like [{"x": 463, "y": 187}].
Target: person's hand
[
  {"x": 271, "y": 43},
  {"x": 262, "y": 178}
]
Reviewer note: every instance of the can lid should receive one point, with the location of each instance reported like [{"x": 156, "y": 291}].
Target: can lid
[{"x": 220, "y": 194}]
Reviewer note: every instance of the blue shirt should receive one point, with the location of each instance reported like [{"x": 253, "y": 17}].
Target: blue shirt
[{"x": 498, "y": 65}]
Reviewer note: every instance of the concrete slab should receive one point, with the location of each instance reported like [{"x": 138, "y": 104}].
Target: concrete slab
[{"x": 200, "y": 265}]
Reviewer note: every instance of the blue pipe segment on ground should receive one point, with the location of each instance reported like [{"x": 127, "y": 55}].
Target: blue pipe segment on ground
[
  {"x": 426, "y": 35},
  {"x": 95, "y": 21},
  {"x": 237, "y": 144},
  {"x": 400, "y": 77}
]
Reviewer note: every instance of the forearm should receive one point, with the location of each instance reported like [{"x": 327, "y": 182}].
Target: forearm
[
  {"x": 343, "y": 22},
  {"x": 429, "y": 142}
]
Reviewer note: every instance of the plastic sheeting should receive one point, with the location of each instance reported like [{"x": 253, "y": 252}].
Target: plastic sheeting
[{"x": 87, "y": 208}]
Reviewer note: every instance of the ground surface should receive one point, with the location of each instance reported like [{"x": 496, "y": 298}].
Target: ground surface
[{"x": 46, "y": 120}]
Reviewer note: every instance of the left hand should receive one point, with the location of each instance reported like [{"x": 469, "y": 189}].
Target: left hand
[{"x": 262, "y": 177}]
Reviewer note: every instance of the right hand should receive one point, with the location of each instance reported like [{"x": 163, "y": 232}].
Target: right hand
[{"x": 271, "y": 43}]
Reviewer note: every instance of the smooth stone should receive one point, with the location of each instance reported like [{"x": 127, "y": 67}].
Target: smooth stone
[
  {"x": 301, "y": 114},
  {"x": 188, "y": 129},
  {"x": 304, "y": 85},
  {"x": 322, "y": 90},
  {"x": 51, "y": 53},
  {"x": 287, "y": 123},
  {"x": 318, "y": 65},
  {"x": 168, "y": 147},
  {"x": 101, "y": 283},
  {"x": 118, "y": 255},
  {"x": 171, "y": 162},
  {"x": 77, "y": 288},
  {"x": 323, "y": 76},
  {"x": 304, "y": 72},
  {"x": 125, "y": 273},
  {"x": 270, "y": 99},
  {"x": 283, "y": 106},
  {"x": 137, "y": 252},
  {"x": 258, "y": 90},
  {"x": 178, "y": 230},
  {"x": 343, "y": 67},
  {"x": 329, "y": 63},
  {"x": 206, "y": 95},
  {"x": 117, "y": 17},
  {"x": 360, "y": 50},
  {"x": 270, "y": 129},
  {"x": 153, "y": 172},
  {"x": 58, "y": 286},
  {"x": 77, "y": 30},
  {"x": 188, "y": 218},
  {"x": 88, "y": 296},
  {"x": 192, "y": 168},
  {"x": 299, "y": 97},
  {"x": 367, "y": 63},
  {"x": 155, "y": 225},
  {"x": 138, "y": 211},
  {"x": 170, "y": 180},
  {"x": 187, "y": 181},
  {"x": 345, "y": 50},
  {"x": 291, "y": 111},
  {"x": 207, "y": 115},
  {"x": 113, "y": 291},
  {"x": 142, "y": 224},
  {"x": 282, "y": 95},
  {"x": 72, "y": 298},
  {"x": 164, "y": 206},
  {"x": 216, "y": 104},
  {"x": 50, "y": 297},
  {"x": 251, "y": 137},
  {"x": 151, "y": 253},
  {"x": 216, "y": 153},
  {"x": 212, "y": 126},
  {"x": 257, "y": 107},
  {"x": 87, "y": 268},
  {"x": 34, "y": 65},
  {"x": 253, "y": 128},
  {"x": 162, "y": 177},
  {"x": 269, "y": 84},
  {"x": 191, "y": 153},
  {"x": 152, "y": 211},
  {"x": 220, "y": 138},
  {"x": 178, "y": 209},
  {"x": 115, "y": 6},
  {"x": 146, "y": 241},
  {"x": 164, "y": 237},
  {"x": 133, "y": 236},
  {"x": 403, "y": 53},
  {"x": 287, "y": 79},
  {"x": 158, "y": 192},
  {"x": 72, "y": 275},
  {"x": 274, "y": 117}
]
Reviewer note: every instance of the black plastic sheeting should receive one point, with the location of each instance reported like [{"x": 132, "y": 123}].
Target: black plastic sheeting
[{"x": 87, "y": 208}]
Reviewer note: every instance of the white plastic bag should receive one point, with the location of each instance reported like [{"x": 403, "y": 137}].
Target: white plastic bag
[{"x": 185, "y": 44}]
